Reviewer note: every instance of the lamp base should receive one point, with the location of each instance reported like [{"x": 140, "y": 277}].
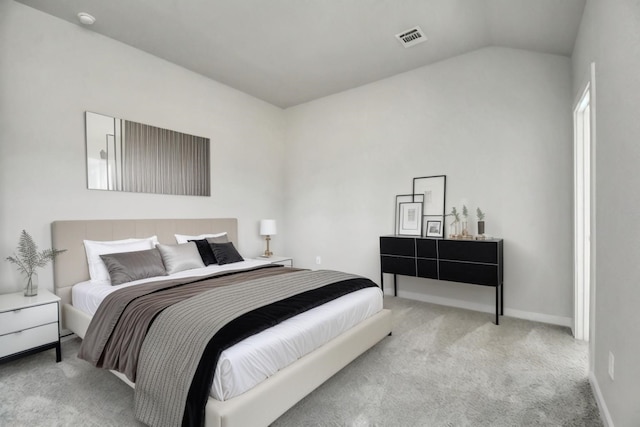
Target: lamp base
[{"x": 267, "y": 253}]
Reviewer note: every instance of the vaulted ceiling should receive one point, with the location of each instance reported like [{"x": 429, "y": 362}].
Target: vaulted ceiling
[{"x": 287, "y": 52}]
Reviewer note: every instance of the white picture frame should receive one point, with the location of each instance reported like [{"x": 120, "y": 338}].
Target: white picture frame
[
  {"x": 403, "y": 198},
  {"x": 410, "y": 219}
]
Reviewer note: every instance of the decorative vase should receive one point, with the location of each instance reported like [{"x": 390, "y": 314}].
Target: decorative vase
[
  {"x": 481, "y": 227},
  {"x": 465, "y": 229},
  {"x": 31, "y": 287},
  {"x": 454, "y": 230}
]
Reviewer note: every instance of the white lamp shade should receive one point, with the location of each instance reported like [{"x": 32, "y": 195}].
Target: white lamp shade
[{"x": 268, "y": 227}]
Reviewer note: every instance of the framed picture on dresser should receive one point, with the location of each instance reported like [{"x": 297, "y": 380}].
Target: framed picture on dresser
[
  {"x": 432, "y": 190},
  {"x": 404, "y": 198},
  {"x": 433, "y": 228},
  {"x": 410, "y": 219}
]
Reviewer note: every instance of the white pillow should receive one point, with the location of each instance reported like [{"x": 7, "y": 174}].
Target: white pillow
[
  {"x": 97, "y": 269},
  {"x": 183, "y": 238}
]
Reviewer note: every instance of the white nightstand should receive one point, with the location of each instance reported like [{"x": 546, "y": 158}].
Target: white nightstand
[
  {"x": 29, "y": 324},
  {"x": 282, "y": 260}
]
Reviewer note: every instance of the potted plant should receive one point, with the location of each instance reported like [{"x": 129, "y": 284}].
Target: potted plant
[
  {"x": 480, "y": 216},
  {"x": 465, "y": 222},
  {"x": 454, "y": 232},
  {"x": 28, "y": 259}
]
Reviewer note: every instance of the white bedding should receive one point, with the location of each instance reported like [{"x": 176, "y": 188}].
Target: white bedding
[{"x": 254, "y": 359}]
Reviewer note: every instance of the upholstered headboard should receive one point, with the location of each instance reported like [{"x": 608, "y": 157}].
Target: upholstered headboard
[{"x": 71, "y": 267}]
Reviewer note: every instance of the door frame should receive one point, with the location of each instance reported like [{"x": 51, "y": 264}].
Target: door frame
[{"x": 584, "y": 299}]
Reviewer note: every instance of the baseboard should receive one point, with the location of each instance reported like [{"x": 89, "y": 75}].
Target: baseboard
[
  {"x": 67, "y": 335},
  {"x": 527, "y": 315},
  {"x": 539, "y": 317},
  {"x": 604, "y": 411}
]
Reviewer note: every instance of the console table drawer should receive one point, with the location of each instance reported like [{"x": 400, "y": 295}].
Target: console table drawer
[
  {"x": 427, "y": 268},
  {"x": 479, "y": 274},
  {"x": 474, "y": 251},
  {"x": 426, "y": 248},
  {"x": 398, "y": 265},
  {"x": 24, "y": 318},
  {"x": 397, "y": 246}
]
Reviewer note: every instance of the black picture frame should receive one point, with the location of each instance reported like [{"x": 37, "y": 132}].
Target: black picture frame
[
  {"x": 433, "y": 190},
  {"x": 433, "y": 232}
]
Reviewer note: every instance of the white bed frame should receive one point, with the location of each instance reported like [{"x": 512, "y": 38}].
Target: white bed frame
[{"x": 267, "y": 401}]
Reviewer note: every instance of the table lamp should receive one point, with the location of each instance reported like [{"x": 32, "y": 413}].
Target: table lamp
[{"x": 268, "y": 229}]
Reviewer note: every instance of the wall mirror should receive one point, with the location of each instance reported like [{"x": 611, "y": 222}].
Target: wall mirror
[
  {"x": 128, "y": 156},
  {"x": 433, "y": 190}
]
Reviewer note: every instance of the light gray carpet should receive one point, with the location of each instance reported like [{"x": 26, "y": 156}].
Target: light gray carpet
[{"x": 441, "y": 367}]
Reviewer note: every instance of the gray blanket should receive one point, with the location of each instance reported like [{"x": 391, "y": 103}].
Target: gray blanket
[
  {"x": 177, "y": 338},
  {"x": 118, "y": 328}
]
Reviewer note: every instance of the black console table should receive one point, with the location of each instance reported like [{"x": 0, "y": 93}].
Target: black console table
[{"x": 479, "y": 262}]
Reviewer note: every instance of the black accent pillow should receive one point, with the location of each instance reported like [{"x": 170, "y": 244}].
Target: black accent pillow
[
  {"x": 205, "y": 251},
  {"x": 126, "y": 267},
  {"x": 225, "y": 253}
]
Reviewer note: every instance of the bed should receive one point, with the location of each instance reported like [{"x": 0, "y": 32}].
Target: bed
[{"x": 267, "y": 400}]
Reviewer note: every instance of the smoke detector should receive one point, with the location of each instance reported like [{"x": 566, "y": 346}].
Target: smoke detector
[
  {"x": 411, "y": 37},
  {"x": 86, "y": 19}
]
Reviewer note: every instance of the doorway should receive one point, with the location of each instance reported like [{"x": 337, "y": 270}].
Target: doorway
[{"x": 583, "y": 133}]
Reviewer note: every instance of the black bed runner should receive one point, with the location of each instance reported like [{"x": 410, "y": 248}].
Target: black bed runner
[{"x": 249, "y": 324}]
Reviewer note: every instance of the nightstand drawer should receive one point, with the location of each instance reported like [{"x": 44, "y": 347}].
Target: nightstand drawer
[
  {"x": 28, "y": 338},
  {"x": 25, "y": 318}
]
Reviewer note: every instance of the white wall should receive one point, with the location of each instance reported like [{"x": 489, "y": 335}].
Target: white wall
[
  {"x": 53, "y": 71},
  {"x": 610, "y": 37},
  {"x": 496, "y": 121}
]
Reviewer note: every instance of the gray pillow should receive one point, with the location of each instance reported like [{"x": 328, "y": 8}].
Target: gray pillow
[
  {"x": 126, "y": 267},
  {"x": 180, "y": 257}
]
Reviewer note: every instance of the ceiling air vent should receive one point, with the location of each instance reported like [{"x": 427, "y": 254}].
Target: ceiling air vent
[{"x": 411, "y": 37}]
